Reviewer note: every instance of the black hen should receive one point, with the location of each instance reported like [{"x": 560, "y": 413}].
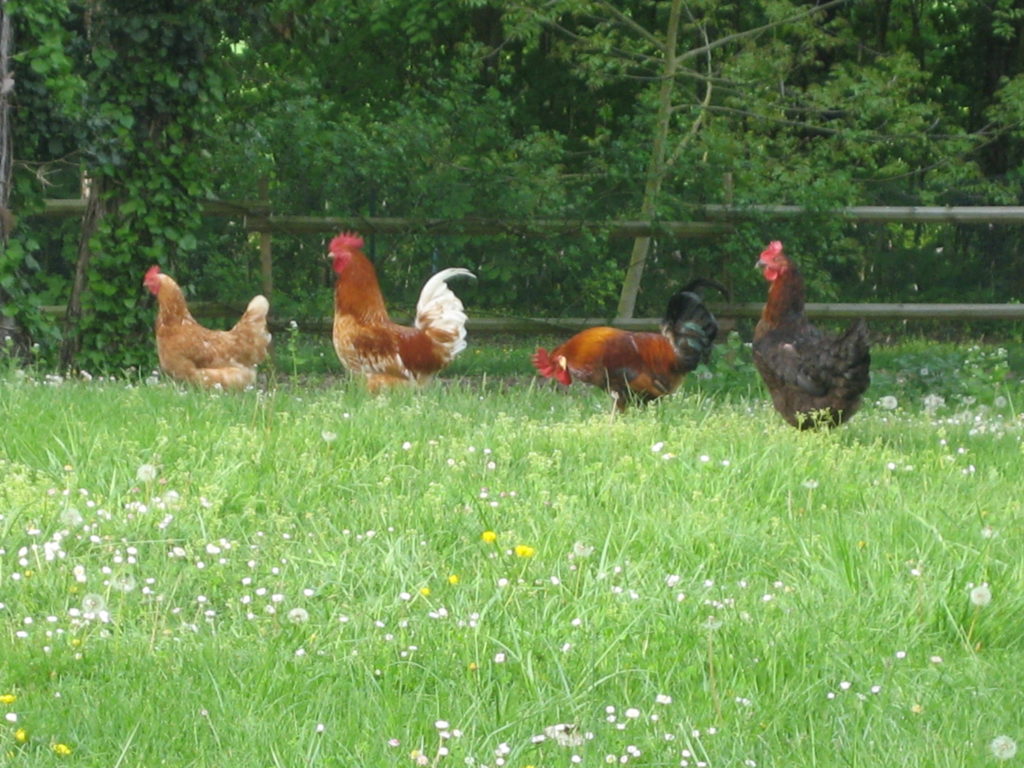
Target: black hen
[{"x": 814, "y": 379}]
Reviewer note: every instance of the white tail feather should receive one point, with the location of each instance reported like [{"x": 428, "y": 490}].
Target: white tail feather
[
  {"x": 440, "y": 310},
  {"x": 259, "y": 307}
]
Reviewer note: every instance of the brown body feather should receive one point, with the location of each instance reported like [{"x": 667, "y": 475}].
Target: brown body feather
[
  {"x": 368, "y": 343},
  {"x": 192, "y": 353},
  {"x": 637, "y": 365},
  {"x": 624, "y": 363}
]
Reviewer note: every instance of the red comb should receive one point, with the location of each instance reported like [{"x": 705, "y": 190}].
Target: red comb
[
  {"x": 346, "y": 241},
  {"x": 151, "y": 273},
  {"x": 774, "y": 247}
]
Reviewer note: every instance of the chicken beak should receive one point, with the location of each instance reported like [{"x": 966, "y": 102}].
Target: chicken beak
[{"x": 562, "y": 362}]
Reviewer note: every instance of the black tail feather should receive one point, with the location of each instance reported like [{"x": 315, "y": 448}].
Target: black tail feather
[
  {"x": 689, "y": 324},
  {"x": 706, "y": 282}
]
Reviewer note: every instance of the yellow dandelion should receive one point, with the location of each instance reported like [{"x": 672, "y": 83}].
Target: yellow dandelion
[
  {"x": 62, "y": 749},
  {"x": 75, "y": 642},
  {"x": 21, "y": 736},
  {"x": 522, "y": 550},
  {"x": 489, "y": 537},
  {"x": 473, "y": 666},
  {"x": 917, "y": 709},
  {"x": 8, "y": 698},
  {"x": 453, "y": 578},
  {"x": 425, "y": 591}
]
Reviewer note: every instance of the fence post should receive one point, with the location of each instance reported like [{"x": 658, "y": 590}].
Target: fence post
[{"x": 266, "y": 258}]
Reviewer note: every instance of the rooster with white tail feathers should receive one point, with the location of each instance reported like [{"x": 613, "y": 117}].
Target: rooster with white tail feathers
[{"x": 369, "y": 344}]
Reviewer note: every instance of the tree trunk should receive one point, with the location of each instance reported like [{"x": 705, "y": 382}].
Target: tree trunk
[
  {"x": 655, "y": 168},
  {"x": 11, "y": 335},
  {"x": 94, "y": 212}
]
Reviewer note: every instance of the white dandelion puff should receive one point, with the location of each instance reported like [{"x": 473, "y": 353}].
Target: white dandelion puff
[
  {"x": 146, "y": 473},
  {"x": 93, "y": 603},
  {"x": 579, "y": 549},
  {"x": 981, "y": 595},
  {"x": 564, "y": 734},
  {"x": 1003, "y": 747}
]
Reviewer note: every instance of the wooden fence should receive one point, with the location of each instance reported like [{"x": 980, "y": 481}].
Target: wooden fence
[
  {"x": 727, "y": 314},
  {"x": 256, "y": 216}
]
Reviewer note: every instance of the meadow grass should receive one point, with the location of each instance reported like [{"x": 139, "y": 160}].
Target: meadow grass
[{"x": 492, "y": 572}]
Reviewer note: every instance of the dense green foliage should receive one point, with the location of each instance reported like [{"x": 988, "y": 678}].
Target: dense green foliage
[
  {"x": 304, "y": 575},
  {"x": 510, "y": 109}
]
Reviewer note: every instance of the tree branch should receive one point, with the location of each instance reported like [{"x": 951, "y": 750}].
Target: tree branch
[
  {"x": 756, "y": 30},
  {"x": 695, "y": 126},
  {"x": 628, "y": 22}
]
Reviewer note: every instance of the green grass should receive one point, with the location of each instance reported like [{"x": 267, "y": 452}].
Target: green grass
[{"x": 303, "y": 580}]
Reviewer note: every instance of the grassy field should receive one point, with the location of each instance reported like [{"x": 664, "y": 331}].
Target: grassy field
[{"x": 491, "y": 572}]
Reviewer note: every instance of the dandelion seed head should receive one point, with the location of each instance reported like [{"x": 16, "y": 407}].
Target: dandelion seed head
[
  {"x": 1003, "y": 747},
  {"x": 146, "y": 473},
  {"x": 981, "y": 595}
]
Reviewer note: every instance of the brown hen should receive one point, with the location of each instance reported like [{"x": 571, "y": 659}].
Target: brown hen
[{"x": 190, "y": 352}]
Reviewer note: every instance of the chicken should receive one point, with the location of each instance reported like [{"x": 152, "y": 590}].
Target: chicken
[
  {"x": 190, "y": 352},
  {"x": 814, "y": 379},
  {"x": 385, "y": 353},
  {"x": 638, "y": 366}
]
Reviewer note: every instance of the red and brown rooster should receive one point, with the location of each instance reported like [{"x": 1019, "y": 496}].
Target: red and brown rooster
[
  {"x": 369, "y": 344},
  {"x": 814, "y": 379},
  {"x": 190, "y": 352},
  {"x": 638, "y": 366}
]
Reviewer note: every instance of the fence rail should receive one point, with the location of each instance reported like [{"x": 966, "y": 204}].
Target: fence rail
[
  {"x": 726, "y": 313},
  {"x": 257, "y": 216}
]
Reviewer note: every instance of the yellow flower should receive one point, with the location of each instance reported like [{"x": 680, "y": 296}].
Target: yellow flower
[
  {"x": 21, "y": 735},
  {"x": 453, "y": 578},
  {"x": 62, "y": 749},
  {"x": 425, "y": 591},
  {"x": 522, "y": 550},
  {"x": 473, "y": 666},
  {"x": 8, "y": 698},
  {"x": 489, "y": 536}
]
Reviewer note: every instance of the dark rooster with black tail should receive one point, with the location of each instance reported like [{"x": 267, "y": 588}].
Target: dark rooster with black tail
[
  {"x": 638, "y": 366},
  {"x": 814, "y": 379}
]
